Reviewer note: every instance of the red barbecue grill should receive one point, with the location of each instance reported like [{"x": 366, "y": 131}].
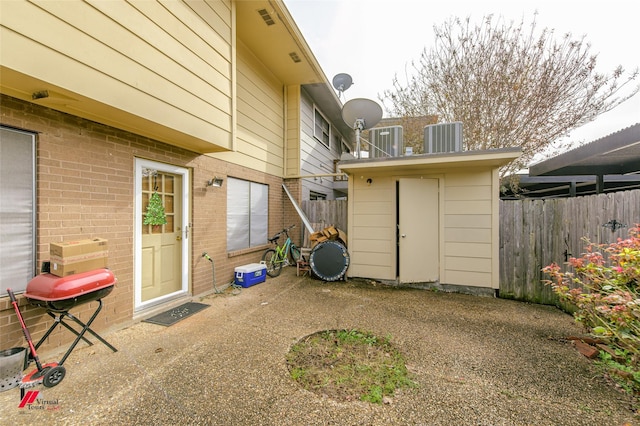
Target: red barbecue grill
[{"x": 58, "y": 295}]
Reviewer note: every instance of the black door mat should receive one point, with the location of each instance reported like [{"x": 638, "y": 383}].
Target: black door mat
[{"x": 174, "y": 315}]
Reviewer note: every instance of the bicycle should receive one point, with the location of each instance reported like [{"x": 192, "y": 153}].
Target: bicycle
[{"x": 276, "y": 257}]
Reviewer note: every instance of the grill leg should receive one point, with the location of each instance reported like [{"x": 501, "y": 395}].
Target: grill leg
[
  {"x": 80, "y": 335},
  {"x": 59, "y": 320}
]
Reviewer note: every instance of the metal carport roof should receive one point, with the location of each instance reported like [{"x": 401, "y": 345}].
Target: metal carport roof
[{"x": 611, "y": 163}]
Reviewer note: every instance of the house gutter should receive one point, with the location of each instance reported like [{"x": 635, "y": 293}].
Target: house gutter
[{"x": 316, "y": 175}]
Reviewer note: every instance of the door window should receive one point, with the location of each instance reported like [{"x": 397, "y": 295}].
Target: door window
[{"x": 164, "y": 185}]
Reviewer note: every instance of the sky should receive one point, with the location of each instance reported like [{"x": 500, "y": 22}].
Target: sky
[{"x": 375, "y": 40}]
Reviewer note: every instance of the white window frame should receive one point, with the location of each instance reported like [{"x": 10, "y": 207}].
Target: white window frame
[
  {"x": 247, "y": 214},
  {"x": 18, "y": 208},
  {"x": 321, "y": 133}
]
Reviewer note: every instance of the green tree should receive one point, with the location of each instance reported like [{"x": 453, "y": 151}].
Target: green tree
[{"x": 509, "y": 85}]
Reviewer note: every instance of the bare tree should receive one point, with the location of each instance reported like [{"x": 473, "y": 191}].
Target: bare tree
[{"x": 509, "y": 86}]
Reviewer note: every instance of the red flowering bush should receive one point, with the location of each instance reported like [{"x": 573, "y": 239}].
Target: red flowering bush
[{"x": 605, "y": 289}]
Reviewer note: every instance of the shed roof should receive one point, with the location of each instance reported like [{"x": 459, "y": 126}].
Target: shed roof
[{"x": 477, "y": 158}]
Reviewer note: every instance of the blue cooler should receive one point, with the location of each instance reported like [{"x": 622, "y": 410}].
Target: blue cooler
[{"x": 251, "y": 274}]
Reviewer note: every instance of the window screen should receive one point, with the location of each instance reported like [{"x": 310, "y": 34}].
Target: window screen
[
  {"x": 247, "y": 214},
  {"x": 17, "y": 209},
  {"x": 321, "y": 128}
]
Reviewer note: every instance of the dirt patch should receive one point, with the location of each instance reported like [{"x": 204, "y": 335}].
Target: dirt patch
[{"x": 349, "y": 365}]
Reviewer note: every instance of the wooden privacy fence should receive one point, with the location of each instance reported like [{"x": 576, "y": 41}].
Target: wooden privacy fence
[
  {"x": 322, "y": 213},
  {"x": 535, "y": 233}
]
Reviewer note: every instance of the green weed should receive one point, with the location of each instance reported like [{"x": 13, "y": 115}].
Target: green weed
[{"x": 349, "y": 364}]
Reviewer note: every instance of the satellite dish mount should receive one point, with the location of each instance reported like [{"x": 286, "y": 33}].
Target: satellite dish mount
[
  {"x": 362, "y": 114},
  {"x": 342, "y": 82}
]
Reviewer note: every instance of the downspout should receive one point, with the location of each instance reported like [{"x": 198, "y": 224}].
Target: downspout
[{"x": 304, "y": 218}]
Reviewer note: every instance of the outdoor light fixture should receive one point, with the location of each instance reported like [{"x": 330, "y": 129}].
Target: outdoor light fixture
[
  {"x": 216, "y": 181},
  {"x": 40, "y": 94}
]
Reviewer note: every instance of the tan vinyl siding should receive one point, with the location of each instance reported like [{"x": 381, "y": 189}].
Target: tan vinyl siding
[
  {"x": 468, "y": 232},
  {"x": 260, "y": 119},
  {"x": 469, "y": 193},
  {"x": 165, "y": 62},
  {"x": 372, "y": 233},
  {"x": 467, "y": 207},
  {"x": 468, "y": 264},
  {"x": 214, "y": 13},
  {"x": 462, "y": 221},
  {"x": 370, "y": 246},
  {"x": 467, "y": 250},
  {"x": 471, "y": 279}
]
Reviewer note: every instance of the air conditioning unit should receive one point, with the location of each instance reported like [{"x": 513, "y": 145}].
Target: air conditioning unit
[
  {"x": 441, "y": 138},
  {"x": 386, "y": 141}
]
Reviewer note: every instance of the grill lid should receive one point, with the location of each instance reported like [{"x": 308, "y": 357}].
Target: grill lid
[{"x": 49, "y": 287}]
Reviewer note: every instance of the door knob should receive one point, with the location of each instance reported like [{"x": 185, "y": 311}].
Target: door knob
[
  {"x": 178, "y": 238},
  {"x": 404, "y": 235}
]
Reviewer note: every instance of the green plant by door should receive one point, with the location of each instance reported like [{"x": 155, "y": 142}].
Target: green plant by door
[{"x": 155, "y": 214}]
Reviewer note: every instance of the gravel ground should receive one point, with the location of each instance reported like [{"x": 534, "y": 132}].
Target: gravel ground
[{"x": 477, "y": 361}]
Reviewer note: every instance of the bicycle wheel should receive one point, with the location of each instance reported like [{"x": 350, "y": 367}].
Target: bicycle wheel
[
  {"x": 270, "y": 258},
  {"x": 295, "y": 254}
]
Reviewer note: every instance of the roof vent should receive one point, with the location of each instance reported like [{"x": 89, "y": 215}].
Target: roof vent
[
  {"x": 294, "y": 56},
  {"x": 442, "y": 138},
  {"x": 266, "y": 17}
]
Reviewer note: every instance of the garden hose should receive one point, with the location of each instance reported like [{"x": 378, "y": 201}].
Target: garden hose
[{"x": 213, "y": 268}]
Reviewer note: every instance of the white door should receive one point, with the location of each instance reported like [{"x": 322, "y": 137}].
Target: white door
[
  {"x": 161, "y": 251},
  {"x": 418, "y": 230}
]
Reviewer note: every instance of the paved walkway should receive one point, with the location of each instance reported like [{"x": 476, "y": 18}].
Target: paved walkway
[{"x": 478, "y": 361}]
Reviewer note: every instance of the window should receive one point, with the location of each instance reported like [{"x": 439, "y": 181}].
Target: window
[
  {"x": 337, "y": 143},
  {"x": 321, "y": 128},
  {"x": 247, "y": 214},
  {"x": 314, "y": 196},
  {"x": 17, "y": 209}
]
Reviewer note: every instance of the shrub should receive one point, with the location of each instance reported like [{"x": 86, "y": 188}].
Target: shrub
[{"x": 605, "y": 290}]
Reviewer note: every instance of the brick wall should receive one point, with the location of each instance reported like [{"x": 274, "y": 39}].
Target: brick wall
[{"x": 85, "y": 189}]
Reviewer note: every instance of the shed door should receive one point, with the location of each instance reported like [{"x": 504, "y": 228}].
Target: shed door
[{"x": 418, "y": 230}]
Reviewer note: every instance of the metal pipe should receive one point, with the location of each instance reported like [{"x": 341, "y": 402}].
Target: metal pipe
[{"x": 304, "y": 218}]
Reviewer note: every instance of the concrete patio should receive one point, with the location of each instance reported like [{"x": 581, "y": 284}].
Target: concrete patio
[{"x": 477, "y": 360}]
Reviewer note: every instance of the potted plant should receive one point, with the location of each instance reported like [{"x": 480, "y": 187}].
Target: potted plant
[{"x": 155, "y": 214}]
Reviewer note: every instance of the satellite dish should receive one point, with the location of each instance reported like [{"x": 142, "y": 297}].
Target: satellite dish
[
  {"x": 361, "y": 114},
  {"x": 342, "y": 82}
]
